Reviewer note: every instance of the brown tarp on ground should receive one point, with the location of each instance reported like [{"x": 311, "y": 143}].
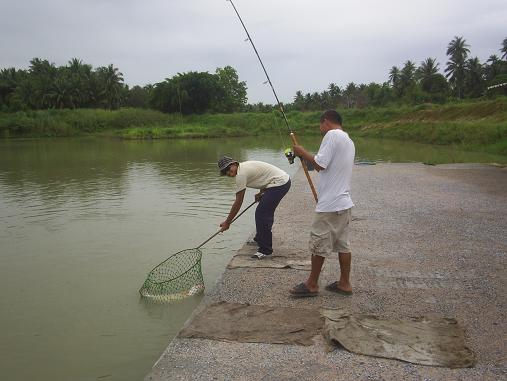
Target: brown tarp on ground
[
  {"x": 276, "y": 262},
  {"x": 422, "y": 340},
  {"x": 255, "y": 324}
]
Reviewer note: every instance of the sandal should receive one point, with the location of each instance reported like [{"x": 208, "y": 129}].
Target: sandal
[
  {"x": 302, "y": 291},
  {"x": 333, "y": 287}
]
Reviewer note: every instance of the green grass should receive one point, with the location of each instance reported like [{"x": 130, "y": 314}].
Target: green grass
[
  {"x": 78, "y": 122},
  {"x": 472, "y": 125}
]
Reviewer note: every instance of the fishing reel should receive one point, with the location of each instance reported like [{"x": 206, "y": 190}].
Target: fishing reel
[{"x": 289, "y": 155}]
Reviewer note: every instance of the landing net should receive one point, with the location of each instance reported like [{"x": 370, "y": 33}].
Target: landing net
[{"x": 178, "y": 277}]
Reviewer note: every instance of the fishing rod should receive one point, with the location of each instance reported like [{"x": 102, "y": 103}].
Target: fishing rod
[{"x": 288, "y": 153}]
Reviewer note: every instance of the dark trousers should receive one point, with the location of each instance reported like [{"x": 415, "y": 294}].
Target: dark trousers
[{"x": 264, "y": 216}]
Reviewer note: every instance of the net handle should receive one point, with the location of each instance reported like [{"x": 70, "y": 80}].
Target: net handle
[{"x": 218, "y": 232}]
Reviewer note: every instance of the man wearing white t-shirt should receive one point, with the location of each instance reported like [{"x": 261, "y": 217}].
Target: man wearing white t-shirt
[
  {"x": 273, "y": 184},
  {"x": 330, "y": 227}
]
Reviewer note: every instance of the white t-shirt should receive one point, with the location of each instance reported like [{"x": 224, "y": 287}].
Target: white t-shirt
[
  {"x": 336, "y": 156},
  {"x": 259, "y": 175}
]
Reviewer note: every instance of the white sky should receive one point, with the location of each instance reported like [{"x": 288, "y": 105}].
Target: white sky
[{"x": 305, "y": 45}]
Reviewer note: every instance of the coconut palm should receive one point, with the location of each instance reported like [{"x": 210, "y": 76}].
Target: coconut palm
[
  {"x": 394, "y": 76},
  {"x": 457, "y": 50},
  {"x": 503, "y": 50},
  {"x": 59, "y": 95},
  {"x": 428, "y": 68},
  {"x": 493, "y": 59},
  {"x": 9, "y": 80},
  {"x": 430, "y": 79},
  {"x": 350, "y": 93},
  {"x": 41, "y": 75},
  {"x": 493, "y": 67},
  {"x": 474, "y": 78},
  {"x": 299, "y": 101},
  {"x": 407, "y": 77},
  {"x": 334, "y": 90},
  {"x": 334, "y": 93},
  {"x": 111, "y": 83}
]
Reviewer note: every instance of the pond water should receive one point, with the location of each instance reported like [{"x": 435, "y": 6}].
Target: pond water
[{"x": 82, "y": 222}]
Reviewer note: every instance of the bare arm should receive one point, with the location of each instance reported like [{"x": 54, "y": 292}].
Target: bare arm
[
  {"x": 236, "y": 206},
  {"x": 301, "y": 152}
]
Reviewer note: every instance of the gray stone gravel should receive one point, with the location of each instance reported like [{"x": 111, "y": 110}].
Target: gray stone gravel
[{"x": 425, "y": 240}]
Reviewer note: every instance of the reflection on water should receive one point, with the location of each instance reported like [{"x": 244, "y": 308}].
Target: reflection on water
[{"x": 82, "y": 221}]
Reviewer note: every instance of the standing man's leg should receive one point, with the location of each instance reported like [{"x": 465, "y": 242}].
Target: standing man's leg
[
  {"x": 329, "y": 233},
  {"x": 345, "y": 262},
  {"x": 312, "y": 283},
  {"x": 342, "y": 245},
  {"x": 320, "y": 246}
]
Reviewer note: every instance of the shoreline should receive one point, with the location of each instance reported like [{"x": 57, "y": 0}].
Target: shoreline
[
  {"x": 474, "y": 125},
  {"x": 426, "y": 240}
]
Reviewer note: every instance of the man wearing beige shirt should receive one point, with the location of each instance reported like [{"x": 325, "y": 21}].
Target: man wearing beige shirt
[{"x": 273, "y": 184}]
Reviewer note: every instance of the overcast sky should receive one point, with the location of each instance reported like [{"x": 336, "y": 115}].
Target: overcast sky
[{"x": 305, "y": 45}]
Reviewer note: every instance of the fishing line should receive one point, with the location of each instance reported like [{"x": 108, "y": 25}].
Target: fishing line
[
  {"x": 249, "y": 38},
  {"x": 288, "y": 153},
  {"x": 276, "y": 121}
]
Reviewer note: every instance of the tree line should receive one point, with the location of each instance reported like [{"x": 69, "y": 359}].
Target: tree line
[
  {"x": 464, "y": 77},
  {"x": 78, "y": 85},
  {"x": 46, "y": 86}
]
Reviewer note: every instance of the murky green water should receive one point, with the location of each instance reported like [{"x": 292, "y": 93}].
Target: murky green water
[{"x": 82, "y": 221}]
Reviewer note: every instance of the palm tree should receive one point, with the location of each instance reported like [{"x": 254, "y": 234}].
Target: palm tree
[
  {"x": 308, "y": 101},
  {"x": 394, "y": 76},
  {"x": 334, "y": 93},
  {"x": 59, "y": 95},
  {"x": 407, "y": 77},
  {"x": 299, "y": 101},
  {"x": 8, "y": 82},
  {"x": 457, "y": 50},
  {"x": 493, "y": 67},
  {"x": 350, "y": 93},
  {"x": 76, "y": 83},
  {"x": 111, "y": 82},
  {"x": 408, "y": 71},
  {"x": 474, "y": 79},
  {"x": 430, "y": 79},
  {"x": 428, "y": 68},
  {"x": 75, "y": 65},
  {"x": 394, "y": 80},
  {"x": 42, "y": 75},
  {"x": 316, "y": 101},
  {"x": 326, "y": 102},
  {"x": 493, "y": 59},
  {"x": 503, "y": 50}
]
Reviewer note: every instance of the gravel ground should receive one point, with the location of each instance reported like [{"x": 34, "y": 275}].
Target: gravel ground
[{"x": 425, "y": 240}]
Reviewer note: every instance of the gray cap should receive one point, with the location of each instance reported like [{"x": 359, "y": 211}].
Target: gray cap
[{"x": 224, "y": 162}]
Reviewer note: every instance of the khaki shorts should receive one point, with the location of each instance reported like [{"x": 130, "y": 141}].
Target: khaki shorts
[{"x": 330, "y": 233}]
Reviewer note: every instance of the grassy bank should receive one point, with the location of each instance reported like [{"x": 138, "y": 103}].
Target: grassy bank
[{"x": 480, "y": 125}]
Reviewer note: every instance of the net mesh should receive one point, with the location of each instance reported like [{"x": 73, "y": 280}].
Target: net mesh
[{"x": 178, "y": 277}]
